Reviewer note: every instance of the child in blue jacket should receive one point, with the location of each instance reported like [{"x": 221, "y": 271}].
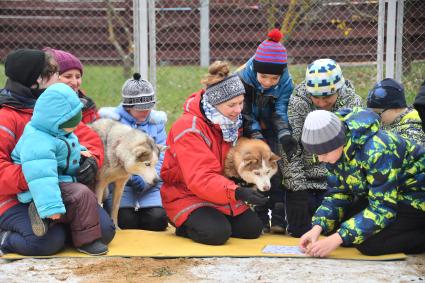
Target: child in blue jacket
[
  {"x": 50, "y": 153},
  {"x": 141, "y": 205},
  {"x": 268, "y": 87}
]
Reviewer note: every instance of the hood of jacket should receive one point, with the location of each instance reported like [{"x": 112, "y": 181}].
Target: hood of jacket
[
  {"x": 56, "y": 105},
  {"x": 361, "y": 124},
  {"x": 249, "y": 76}
]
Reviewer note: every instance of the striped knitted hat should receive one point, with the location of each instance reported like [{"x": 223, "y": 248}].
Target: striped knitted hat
[
  {"x": 270, "y": 57},
  {"x": 138, "y": 94},
  {"x": 323, "y": 77},
  {"x": 323, "y": 132},
  {"x": 224, "y": 90}
]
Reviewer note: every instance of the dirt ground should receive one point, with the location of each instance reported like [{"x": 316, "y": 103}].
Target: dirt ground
[{"x": 211, "y": 270}]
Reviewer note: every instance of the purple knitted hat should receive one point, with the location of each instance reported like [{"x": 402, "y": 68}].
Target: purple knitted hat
[
  {"x": 65, "y": 60},
  {"x": 271, "y": 57}
]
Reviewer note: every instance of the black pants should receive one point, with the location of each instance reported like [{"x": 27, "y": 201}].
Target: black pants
[
  {"x": 276, "y": 194},
  {"x": 300, "y": 208},
  {"x": 405, "y": 235},
  {"x": 207, "y": 225},
  {"x": 150, "y": 218},
  {"x": 275, "y": 204}
]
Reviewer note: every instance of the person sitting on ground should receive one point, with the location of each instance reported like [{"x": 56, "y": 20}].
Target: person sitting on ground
[
  {"x": 141, "y": 205},
  {"x": 200, "y": 202},
  {"x": 419, "y": 104},
  {"x": 71, "y": 73},
  {"x": 376, "y": 196},
  {"x": 49, "y": 154},
  {"x": 387, "y": 100},
  {"x": 268, "y": 86},
  {"x": 29, "y": 72},
  {"x": 324, "y": 88}
]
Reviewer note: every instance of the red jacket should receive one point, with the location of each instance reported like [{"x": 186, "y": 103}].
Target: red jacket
[
  {"x": 192, "y": 170},
  {"x": 12, "y": 124}
]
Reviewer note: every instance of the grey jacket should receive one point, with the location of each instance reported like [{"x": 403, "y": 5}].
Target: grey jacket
[{"x": 304, "y": 172}]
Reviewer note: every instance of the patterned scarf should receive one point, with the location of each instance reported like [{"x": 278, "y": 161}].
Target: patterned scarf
[{"x": 228, "y": 127}]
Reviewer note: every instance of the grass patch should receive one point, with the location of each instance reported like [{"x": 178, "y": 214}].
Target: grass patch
[{"x": 175, "y": 83}]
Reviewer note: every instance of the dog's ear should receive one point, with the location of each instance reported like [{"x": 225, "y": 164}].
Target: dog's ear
[
  {"x": 141, "y": 153},
  {"x": 248, "y": 159},
  {"x": 274, "y": 157}
]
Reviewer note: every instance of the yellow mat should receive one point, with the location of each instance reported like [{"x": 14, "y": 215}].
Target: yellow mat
[{"x": 130, "y": 243}]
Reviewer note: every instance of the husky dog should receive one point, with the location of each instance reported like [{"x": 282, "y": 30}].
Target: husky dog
[
  {"x": 252, "y": 161},
  {"x": 127, "y": 152}
]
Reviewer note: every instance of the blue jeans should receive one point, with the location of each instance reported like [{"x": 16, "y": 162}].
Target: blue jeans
[{"x": 21, "y": 240}]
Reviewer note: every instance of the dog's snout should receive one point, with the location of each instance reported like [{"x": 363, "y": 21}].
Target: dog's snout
[{"x": 265, "y": 188}]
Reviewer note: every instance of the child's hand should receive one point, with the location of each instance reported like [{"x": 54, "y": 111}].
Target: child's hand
[
  {"x": 55, "y": 216},
  {"x": 324, "y": 247},
  {"x": 310, "y": 238},
  {"x": 86, "y": 153}
]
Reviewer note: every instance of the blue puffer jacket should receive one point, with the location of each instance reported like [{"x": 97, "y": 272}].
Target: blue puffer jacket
[
  {"x": 137, "y": 193},
  {"x": 48, "y": 154},
  {"x": 265, "y": 108}
]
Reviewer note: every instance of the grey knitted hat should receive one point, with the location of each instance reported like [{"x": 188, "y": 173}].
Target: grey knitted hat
[
  {"x": 138, "y": 93},
  {"x": 323, "y": 132},
  {"x": 224, "y": 90}
]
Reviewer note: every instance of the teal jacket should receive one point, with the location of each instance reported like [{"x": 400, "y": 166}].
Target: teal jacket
[
  {"x": 48, "y": 154},
  {"x": 377, "y": 165}
]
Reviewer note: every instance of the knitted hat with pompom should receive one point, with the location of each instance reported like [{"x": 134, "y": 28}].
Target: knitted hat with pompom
[{"x": 271, "y": 57}]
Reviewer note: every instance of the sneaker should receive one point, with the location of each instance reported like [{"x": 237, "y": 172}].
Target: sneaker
[
  {"x": 39, "y": 226},
  {"x": 94, "y": 248}
]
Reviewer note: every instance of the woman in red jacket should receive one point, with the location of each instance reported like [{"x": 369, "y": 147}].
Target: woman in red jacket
[
  {"x": 29, "y": 72},
  {"x": 203, "y": 204}
]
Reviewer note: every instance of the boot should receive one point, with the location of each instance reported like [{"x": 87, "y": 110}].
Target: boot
[
  {"x": 39, "y": 226},
  {"x": 94, "y": 248}
]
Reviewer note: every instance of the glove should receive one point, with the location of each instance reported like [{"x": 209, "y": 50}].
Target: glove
[
  {"x": 250, "y": 196},
  {"x": 136, "y": 182},
  {"x": 86, "y": 174},
  {"x": 289, "y": 145}
]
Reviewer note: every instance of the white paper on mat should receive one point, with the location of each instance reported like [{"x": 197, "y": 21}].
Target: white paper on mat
[{"x": 277, "y": 249}]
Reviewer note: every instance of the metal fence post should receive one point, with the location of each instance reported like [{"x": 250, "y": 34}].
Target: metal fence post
[
  {"x": 140, "y": 24},
  {"x": 390, "y": 46},
  {"x": 152, "y": 43},
  {"x": 399, "y": 42},
  {"x": 380, "y": 48},
  {"x": 205, "y": 34}
]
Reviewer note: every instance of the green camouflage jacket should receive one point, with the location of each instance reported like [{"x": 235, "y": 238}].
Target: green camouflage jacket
[
  {"x": 408, "y": 125},
  {"x": 303, "y": 172},
  {"x": 377, "y": 165}
]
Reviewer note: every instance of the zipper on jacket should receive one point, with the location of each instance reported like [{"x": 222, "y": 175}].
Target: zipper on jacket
[{"x": 68, "y": 155}]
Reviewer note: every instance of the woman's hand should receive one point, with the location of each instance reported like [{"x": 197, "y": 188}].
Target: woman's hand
[
  {"x": 310, "y": 238},
  {"x": 324, "y": 247}
]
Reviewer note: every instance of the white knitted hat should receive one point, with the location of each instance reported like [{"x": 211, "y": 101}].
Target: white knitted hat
[
  {"x": 323, "y": 132},
  {"x": 138, "y": 93}
]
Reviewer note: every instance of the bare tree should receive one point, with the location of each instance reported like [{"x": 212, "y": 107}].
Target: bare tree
[{"x": 115, "y": 21}]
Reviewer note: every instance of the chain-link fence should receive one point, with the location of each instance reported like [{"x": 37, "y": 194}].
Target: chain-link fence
[{"x": 187, "y": 33}]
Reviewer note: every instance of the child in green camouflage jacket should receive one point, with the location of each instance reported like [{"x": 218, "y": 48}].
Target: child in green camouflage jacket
[
  {"x": 387, "y": 99},
  {"x": 376, "y": 186}
]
